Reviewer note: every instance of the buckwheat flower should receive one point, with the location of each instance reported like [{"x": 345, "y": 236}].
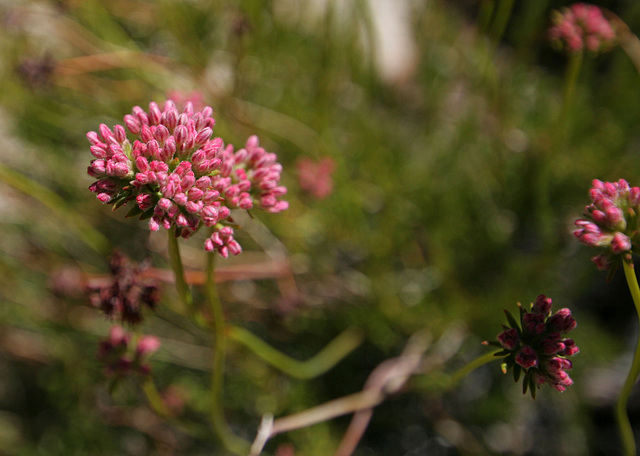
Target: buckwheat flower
[
  {"x": 315, "y": 177},
  {"x": 581, "y": 26},
  {"x": 124, "y": 295},
  {"x": 611, "y": 222},
  {"x": 172, "y": 171},
  {"x": 120, "y": 358},
  {"x": 534, "y": 346}
]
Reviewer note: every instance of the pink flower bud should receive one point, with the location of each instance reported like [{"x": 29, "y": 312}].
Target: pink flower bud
[{"x": 147, "y": 345}]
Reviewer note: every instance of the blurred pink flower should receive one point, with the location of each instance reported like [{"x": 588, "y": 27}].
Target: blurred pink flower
[
  {"x": 315, "y": 177},
  {"x": 120, "y": 359},
  {"x": 581, "y": 26},
  {"x": 178, "y": 176},
  {"x": 180, "y": 98}
]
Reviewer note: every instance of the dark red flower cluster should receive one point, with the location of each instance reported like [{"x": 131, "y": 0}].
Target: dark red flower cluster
[{"x": 535, "y": 346}]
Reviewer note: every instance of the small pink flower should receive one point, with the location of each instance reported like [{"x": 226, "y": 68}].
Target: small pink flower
[
  {"x": 509, "y": 338},
  {"x": 527, "y": 357},
  {"x": 610, "y": 221},
  {"x": 315, "y": 177},
  {"x": 581, "y": 26}
]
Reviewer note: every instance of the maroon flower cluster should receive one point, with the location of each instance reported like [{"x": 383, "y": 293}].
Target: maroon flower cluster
[
  {"x": 581, "y": 26},
  {"x": 120, "y": 358},
  {"x": 536, "y": 347},
  {"x": 611, "y": 222},
  {"x": 123, "y": 295},
  {"x": 178, "y": 176}
]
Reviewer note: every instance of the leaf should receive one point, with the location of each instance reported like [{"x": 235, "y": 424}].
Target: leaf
[
  {"x": 533, "y": 387},
  {"x": 517, "y": 370},
  {"x": 512, "y": 321},
  {"x": 135, "y": 210},
  {"x": 525, "y": 385},
  {"x": 146, "y": 215}
]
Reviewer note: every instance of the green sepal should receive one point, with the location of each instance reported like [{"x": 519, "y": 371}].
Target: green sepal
[
  {"x": 525, "y": 385},
  {"x": 146, "y": 215},
  {"x": 612, "y": 271},
  {"x": 502, "y": 352},
  {"x": 512, "y": 321},
  {"x": 493, "y": 343},
  {"x": 119, "y": 203},
  {"x": 517, "y": 370},
  {"x": 532, "y": 386},
  {"x": 135, "y": 210}
]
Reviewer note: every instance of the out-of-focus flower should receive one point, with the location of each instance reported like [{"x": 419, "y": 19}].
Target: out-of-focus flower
[
  {"x": 37, "y": 72},
  {"x": 611, "y": 222},
  {"x": 581, "y": 26},
  {"x": 120, "y": 358},
  {"x": 315, "y": 177},
  {"x": 536, "y": 347},
  {"x": 177, "y": 176},
  {"x": 124, "y": 295},
  {"x": 180, "y": 98}
]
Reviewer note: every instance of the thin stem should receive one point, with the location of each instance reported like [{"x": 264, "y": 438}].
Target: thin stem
[
  {"x": 230, "y": 441},
  {"x": 324, "y": 360},
  {"x": 626, "y": 433},
  {"x": 184, "y": 293},
  {"x": 470, "y": 367},
  {"x": 155, "y": 399},
  {"x": 570, "y": 81},
  {"x": 182, "y": 287},
  {"x": 501, "y": 19}
]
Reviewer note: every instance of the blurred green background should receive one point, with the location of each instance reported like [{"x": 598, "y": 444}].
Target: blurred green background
[{"x": 456, "y": 184}]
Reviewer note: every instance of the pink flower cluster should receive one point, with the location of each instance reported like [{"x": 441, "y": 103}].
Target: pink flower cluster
[
  {"x": 120, "y": 359},
  {"x": 581, "y": 26},
  {"x": 611, "y": 221},
  {"x": 536, "y": 347},
  {"x": 315, "y": 177},
  {"x": 178, "y": 176}
]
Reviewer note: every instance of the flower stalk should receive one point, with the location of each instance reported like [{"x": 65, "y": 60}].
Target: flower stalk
[
  {"x": 622, "y": 418},
  {"x": 230, "y": 441}
]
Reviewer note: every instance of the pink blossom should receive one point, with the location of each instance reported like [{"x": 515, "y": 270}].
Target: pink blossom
[
  {"x": 315, "y": 177},
  {"x": 581, "y": 26},
  {"x": 176, "y": 174}
]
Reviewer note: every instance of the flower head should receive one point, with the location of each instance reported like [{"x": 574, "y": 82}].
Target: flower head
[
  {"x": 121, "y": 358},
  {"x": 177, "y": 175},
  {"x": 535, "y": 346},
  {"x": 581, "y": 26},
  {"x": 610, "y": 222},
  {"x": 126, "y": 292}
]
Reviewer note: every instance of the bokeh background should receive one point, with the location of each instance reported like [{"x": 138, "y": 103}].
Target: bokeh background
[{"x": 450, "y": 182}]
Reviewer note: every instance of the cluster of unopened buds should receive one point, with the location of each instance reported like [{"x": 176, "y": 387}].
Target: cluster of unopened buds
[
  {"x": 120, "y": 358},
  {"x": 610, "y": 222},
  {"x": 535, "y": 346},
  {"x": 180, "y": 177},
  {"x": 123, "y": 295},
  {"x": 581, "y": 26}
]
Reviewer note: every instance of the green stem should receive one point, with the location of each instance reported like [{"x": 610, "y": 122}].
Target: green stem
[
  {"x": 484, "y": 15},
  {"x": 626, "y": 433},
  {"x": 324, "y": 360},
  {"x": 501, "y": 19},
  {"x": 230, "y": 441},
  {"x": 570, "y": 82},
  {"x": 461, "y": 373},
  {"x": 184, "y": 292},
  {"x": 155, "y": 399}
]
